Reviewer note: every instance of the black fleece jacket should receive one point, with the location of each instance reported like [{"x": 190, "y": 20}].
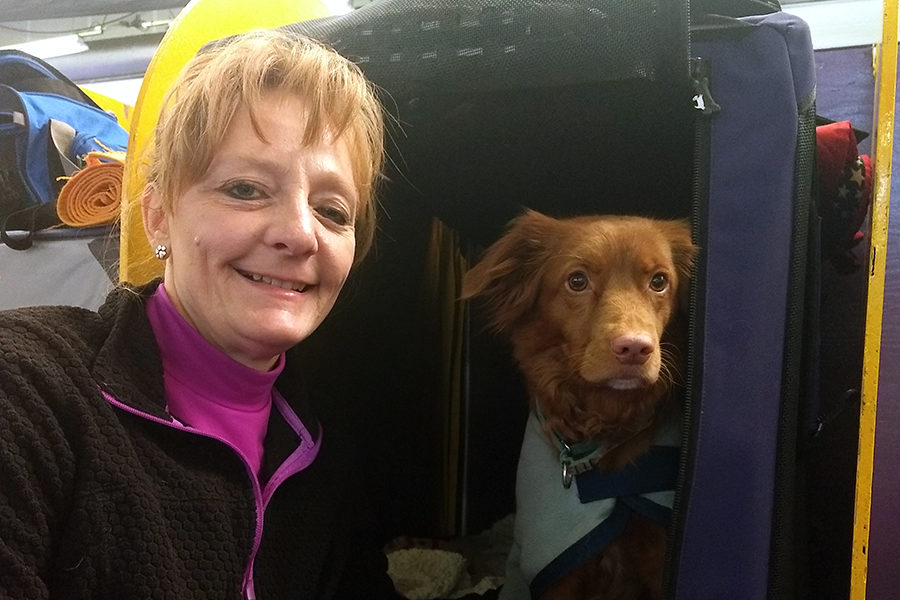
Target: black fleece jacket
[{"x": 97, "y": 502}]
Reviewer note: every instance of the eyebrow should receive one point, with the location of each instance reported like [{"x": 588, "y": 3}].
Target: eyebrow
[
  {"x": 248, "y": 160},
  {"x": 331, "y": 176}
]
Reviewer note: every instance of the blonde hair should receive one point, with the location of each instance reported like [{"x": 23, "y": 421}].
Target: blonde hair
[{"x": 235, "y": 72}]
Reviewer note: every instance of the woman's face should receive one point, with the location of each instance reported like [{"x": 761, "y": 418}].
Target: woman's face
[{"x": 262, "y": 243}]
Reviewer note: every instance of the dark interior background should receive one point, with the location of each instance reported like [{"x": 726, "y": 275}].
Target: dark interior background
[{"x": 473, "y": 144}]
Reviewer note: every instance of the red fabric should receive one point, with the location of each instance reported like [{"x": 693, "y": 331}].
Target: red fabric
[{"x": 844, "y": 193}]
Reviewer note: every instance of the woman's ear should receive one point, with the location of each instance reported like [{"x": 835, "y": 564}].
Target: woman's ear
[{"x": 156, "y": 223}]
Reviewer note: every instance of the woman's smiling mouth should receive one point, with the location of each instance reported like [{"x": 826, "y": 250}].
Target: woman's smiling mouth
[{"x": 285, "y": 285}]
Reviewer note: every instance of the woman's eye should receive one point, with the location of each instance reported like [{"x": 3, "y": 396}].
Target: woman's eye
[
  {"x": 577, "y": 281},
  {"x": 336, "y": 214},
  {"x": 659, "y": 282},
  {"x": 242, "y": 190}
]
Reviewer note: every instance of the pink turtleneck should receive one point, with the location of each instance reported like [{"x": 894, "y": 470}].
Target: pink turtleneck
[{"x": 207, "y": 389}]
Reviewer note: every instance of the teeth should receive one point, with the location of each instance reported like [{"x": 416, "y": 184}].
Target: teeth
[
  {"x": 624, "y": 384},
  {"x": 285, "y": 285}
]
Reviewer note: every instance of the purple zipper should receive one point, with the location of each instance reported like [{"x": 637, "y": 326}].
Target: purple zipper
[{"x": 299, "y": 459}]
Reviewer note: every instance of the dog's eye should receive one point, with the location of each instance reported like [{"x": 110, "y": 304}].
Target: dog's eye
[
  {"x": 659, "y": 282},
  {"x": 577, "y": 281}
]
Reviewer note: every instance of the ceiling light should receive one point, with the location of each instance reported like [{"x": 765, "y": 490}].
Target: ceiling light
[
  {"x": 93, "y": 31},
  {"x": 145, "y": 25},
  {"x": 51, "y": 47}
]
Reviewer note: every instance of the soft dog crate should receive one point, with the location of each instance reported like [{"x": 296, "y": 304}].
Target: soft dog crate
[{"x": 599, "y": 106}]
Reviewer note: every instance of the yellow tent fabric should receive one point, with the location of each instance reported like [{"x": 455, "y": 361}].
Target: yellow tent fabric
[
  {"x": 201, "y": 21},
  {"x": 116, "y": 107}
]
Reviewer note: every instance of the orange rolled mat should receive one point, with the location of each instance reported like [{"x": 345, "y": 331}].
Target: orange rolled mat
[{"x": 93, "y": 195}]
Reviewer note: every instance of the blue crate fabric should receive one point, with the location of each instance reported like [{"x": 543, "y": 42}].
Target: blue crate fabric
[{"x": 753, "y": 224}]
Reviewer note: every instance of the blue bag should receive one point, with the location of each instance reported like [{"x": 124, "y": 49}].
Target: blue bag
[{"x": 47, "y": 127}]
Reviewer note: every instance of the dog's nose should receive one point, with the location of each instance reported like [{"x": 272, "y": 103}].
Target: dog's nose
[{"x": 632, "y": 349}]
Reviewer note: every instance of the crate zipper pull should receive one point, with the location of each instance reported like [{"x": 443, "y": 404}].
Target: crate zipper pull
[{"x": 702, "y": 99}]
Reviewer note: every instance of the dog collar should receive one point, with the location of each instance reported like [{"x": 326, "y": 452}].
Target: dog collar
[
  {"x": 576, "y": 458},
  {"x": 582, "y": 456}
]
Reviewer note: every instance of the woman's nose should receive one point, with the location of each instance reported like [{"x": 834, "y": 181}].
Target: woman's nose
[{"x": 295, "y": 228}]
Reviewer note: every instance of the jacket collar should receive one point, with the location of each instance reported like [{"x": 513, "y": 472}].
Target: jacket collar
[{"x": 128, "y": 365}]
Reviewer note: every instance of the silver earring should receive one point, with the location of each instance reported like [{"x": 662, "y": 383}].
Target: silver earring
[{"x": 162, "y": 252}]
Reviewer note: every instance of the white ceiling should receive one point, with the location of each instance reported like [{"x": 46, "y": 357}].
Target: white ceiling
[
  {"x": 121, "y": 35},
  {"x": 840, "y": 23},
  {"x": 26, "y": 20}
]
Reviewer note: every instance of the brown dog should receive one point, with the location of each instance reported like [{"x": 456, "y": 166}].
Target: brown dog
[{"x": 586, "y": 303}]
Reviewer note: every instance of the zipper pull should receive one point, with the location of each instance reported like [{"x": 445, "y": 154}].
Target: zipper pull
[{"x": 702, "y": 99}]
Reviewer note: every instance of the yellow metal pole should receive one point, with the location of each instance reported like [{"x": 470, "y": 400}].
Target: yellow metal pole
[{"x": 886, "y": 78}]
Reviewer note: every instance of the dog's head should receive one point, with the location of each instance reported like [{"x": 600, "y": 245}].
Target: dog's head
[{"x": 585, "y": 302}]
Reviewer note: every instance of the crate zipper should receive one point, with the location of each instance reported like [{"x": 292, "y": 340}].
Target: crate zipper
[{"x": 705, "y": 107}]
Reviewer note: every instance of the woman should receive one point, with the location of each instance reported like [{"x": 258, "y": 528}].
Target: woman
[{"x": 150, "y": 450}]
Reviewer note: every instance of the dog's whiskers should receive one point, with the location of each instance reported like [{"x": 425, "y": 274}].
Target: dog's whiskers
[{"x": 669, "y": 365}]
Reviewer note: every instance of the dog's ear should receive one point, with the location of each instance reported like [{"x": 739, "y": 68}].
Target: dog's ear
[
  {"x": 683, "y": 254},
  {"x": 508, "y": 275}
]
